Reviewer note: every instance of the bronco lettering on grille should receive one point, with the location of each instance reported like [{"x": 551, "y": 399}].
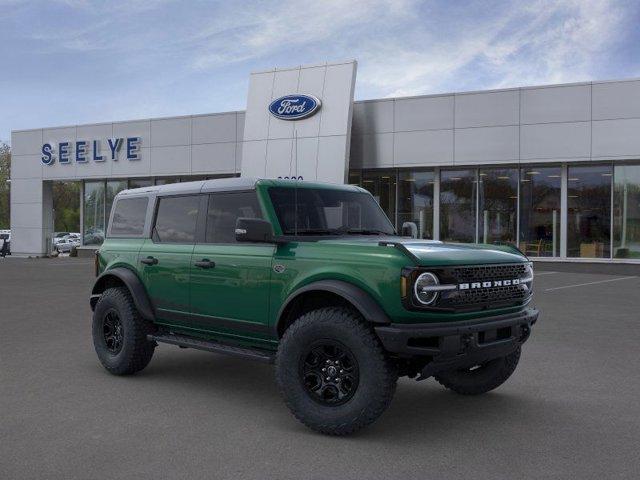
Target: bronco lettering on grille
[{"x": 488, "y": 284}]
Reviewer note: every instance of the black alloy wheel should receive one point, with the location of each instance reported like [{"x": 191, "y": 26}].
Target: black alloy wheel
[
  {"x": 112, "y": 331},
  {"x": 329, "y": 372}
]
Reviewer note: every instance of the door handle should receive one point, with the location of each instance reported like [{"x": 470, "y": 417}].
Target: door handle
[
  {"x": 149, "y": 261},
  {"x": 205, "y": 263}
]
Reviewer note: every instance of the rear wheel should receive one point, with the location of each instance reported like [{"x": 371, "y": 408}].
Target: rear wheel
[
  {"x": 333, "y": 373},
  {"x": 120, "y": 333},
  {"x": 480, "y": 378}
]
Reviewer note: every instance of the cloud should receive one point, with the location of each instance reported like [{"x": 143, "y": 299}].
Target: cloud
[{"x": 539, "y": 42}]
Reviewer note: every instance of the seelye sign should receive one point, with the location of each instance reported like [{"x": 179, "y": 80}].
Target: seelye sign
[
  {"x": 294, "y": 107},
  {"x": 82, "y": 151}
]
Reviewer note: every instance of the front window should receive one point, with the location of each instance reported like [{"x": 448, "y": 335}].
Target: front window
[{"x": 317, "y": 211}]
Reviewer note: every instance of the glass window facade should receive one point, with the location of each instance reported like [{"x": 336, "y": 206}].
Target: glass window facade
[
  {"x": 589, "y": 211},
  {"x": 382, "y": 185},
  {"x": 458, "y": 205},
  {"x": 540, "y": 198},
  {"x": 498, "y": 200},
  {"x": 626, "y": 211},
  {"x": 532, "y": 206},
  {"x": 415, "y": 203},
  {"x": 94, "y": 213}
]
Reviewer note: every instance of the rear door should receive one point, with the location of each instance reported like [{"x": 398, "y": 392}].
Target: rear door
[
  {"x": 230, "y": 280},
  {"x": 165, "y": 258}
]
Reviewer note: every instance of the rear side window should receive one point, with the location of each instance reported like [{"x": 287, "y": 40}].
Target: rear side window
[
  {"x": 128, "y": 217},
  {"x": 223, "y": 211},
  {"x": 176, "y": 219}
]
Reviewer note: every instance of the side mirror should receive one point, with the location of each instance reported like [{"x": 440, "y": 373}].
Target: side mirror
[{"x": 253, "y": 230}]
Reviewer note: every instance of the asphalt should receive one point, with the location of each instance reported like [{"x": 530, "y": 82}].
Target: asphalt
[{"x": 571, "y": 410}]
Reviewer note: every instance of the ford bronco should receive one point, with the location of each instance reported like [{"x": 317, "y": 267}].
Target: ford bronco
[{"x": 311, "y": 277}]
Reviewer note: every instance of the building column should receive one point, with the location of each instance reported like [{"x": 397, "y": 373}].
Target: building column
[{"x": 31, "y": 216}]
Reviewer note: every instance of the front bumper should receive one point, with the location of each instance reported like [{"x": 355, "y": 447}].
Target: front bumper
[{"x": 452, "y": 345}]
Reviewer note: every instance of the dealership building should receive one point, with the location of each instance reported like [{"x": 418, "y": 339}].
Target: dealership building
[{"x": 552, "y": 169}]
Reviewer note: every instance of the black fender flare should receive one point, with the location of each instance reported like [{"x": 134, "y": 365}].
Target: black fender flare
[
  {"x": 133, "y": 284},
  {"x": 370, "y": 310}
]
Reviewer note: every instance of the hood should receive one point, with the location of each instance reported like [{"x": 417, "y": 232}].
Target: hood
[
  {"x": 436, "y": 253},
  {"x": 430, "y": 252}
]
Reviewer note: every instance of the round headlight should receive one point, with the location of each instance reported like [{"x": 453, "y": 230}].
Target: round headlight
[
  {"x": 528, "y": 276},
  {"x": 422, "y": 288}
]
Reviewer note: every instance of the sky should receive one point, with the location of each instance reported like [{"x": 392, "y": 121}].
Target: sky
[{"x": 80, "y": 61}]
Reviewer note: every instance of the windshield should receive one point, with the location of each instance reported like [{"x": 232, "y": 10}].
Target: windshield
[{"x": 328, "y": 212}]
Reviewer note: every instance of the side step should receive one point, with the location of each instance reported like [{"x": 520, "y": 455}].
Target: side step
[{"x": 213, "y": 346}]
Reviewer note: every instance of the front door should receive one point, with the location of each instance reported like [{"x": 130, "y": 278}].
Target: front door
[
  {"x": 230, "y": 280},
  {"x": 165, "y": 259}
]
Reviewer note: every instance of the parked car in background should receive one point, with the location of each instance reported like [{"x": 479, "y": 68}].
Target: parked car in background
[
  {"x": 5, "y": 242},
  {"x": 57, "y": 236},
  {"x": 94, "y": 236},
  {"x": 65, "y": 245}
]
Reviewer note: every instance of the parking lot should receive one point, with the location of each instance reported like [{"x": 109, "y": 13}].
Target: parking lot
[{"x": 571, "y": 410}]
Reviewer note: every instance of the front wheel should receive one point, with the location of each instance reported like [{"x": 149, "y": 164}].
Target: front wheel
[
  {"x": 480, "y": 378},
  {"x": 333, "y": 373}
]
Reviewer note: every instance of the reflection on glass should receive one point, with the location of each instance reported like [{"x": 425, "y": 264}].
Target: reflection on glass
[
  {"x": 589, "y": 211},
  {"x": 354, "y": 177},
  {"x": 458, "y": 205},
  {"x": 540, "y": 189},
  {"x": 382, "y": 185},
  {"x": 93, "y": 219},
  {"x": 626, "y": 205},
  {"x": 140, "y": 182},
  {"x": 498, "y": 205},
  {"x": 415, "y": 202},
  {"x": 167, "y": 180},
  {"x": 113, "y": 188}
]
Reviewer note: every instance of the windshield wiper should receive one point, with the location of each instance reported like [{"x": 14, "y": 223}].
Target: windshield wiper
[
  {"x": 365, "y": 231},
  {"x": 315, "y": 231}
]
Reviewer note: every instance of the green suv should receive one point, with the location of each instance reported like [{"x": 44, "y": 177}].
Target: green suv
[{"x": 311, "y": 277}]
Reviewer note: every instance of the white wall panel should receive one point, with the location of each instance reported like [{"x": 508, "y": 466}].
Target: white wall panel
[
  {"x": 213, "y": 158},
  {"x": 213, "y": 128},
  {"x": 616, "y": 138},
  {"x": 169, "y": 132},
  {"x": 426, "y": 113},
  {"x": 616, "y": 100},
  {"x": 26, "y": 142},
  {"x": 431, "y": 147},
  {"x": 372, "y": 117},
  {"x": 256, "y": 123},
  {"x": 555, "y": 140},
  {"x": 171, "y": 160},
  {"x": 556, "y": 104},
  {"x": 329, "y": 149},
  {"x": 486, "y": 144},
  {"x": 26, "y": 166},
  {"x": 487, "y": 109}
]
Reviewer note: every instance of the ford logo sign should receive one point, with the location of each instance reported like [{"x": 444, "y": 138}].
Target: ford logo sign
[{"x": 294, "y": 107}]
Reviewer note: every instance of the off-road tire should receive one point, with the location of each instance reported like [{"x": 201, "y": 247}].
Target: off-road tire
[
  {"x": 482, "y": 379},
  {"x": 377, "y": 374},
  {"x": 136, "y": 351}
]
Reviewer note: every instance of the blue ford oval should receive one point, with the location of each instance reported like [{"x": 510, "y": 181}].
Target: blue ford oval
[{"x": 294, "y": 107}]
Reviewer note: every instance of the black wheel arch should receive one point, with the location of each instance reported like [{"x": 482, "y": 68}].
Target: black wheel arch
[
  {"x": 123, "y": 276},
  {"x": 345, "y": 292}
]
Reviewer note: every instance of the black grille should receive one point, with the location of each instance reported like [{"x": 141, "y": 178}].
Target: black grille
[
  {"x": 482, "y": 298},
  {"x": 487, "y": 272}
]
